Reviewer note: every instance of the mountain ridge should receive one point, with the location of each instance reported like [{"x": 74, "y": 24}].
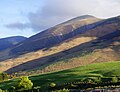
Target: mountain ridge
[{"x": 8, "y": 42}]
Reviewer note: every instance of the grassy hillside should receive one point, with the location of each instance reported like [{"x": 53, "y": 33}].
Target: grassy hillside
[{"x": 107, "y": 69}]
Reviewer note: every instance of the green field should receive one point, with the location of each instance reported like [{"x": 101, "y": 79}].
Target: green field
[{"x": 107, "y": 69}]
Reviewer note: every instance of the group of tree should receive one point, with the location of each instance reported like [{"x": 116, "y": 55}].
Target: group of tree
[
  {"x": 3, "y": 76},
  {"x": 24, "y": 84}
]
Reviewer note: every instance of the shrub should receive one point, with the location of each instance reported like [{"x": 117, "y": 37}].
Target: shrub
[
  {"x": 72, "y": 85},
  {"x": 52, "y": 84},
  {"x": 3, "y": 76},
  {"x": 12, "y": 88},
  {"x": 63, "y": 90},
  {"x": 0, "y": 90},
  {"x": 98, "y": 80},
  {"x": 114, "y": 79},
  {"x": 88, "y": 80},
  {"x": 5, "y": 91},
  {"x": 25, "y": 83},
  {"x": 37, "y": 88}
]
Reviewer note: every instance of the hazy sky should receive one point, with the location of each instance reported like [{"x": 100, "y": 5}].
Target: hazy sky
[{"x": 28, "y": 17}]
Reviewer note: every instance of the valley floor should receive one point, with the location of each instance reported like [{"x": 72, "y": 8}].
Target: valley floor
[{"x": 99, "y": 75}]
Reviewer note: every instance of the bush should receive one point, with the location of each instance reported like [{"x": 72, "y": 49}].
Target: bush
[
  {"x": 88, "y": 80},
  {"x": 114, "y": 79},
  {"x": 12, "y": 88},
  {"x": 0, "y": 90},
  {"x": 37, "y": 88},
  {"x": 25, "y": 83},
  {"x": 5, "y": 91},
  {"x": 63, "y": 90},
  {"x": 106, "y": 79},
  {"x": 3, "y": 76},
  {"x": 52, "y": 85}
]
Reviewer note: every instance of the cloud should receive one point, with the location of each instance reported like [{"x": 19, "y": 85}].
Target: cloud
[
  {"x": 17, "y": 25},
  {"x": 56, "y": 11}
]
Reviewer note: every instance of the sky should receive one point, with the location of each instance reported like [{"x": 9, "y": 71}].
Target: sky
[{"x": 29, "y": 17}]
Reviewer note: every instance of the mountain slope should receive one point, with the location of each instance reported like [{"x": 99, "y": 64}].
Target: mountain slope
[
  {"x": 8, "y": 42},
  {"x": 54, "y": 35},
  {"x": 104, "y": 49},
  {"x": 96, "y": 42}
]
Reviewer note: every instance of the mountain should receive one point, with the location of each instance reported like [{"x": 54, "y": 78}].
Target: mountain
[
  {"x": 54, "y": 35},
  {"x": 87, "y": 40},
  {"x": 104, "y": 49},
  {"x": 8, "y": 42},
  {"x": 51, "y": 36}
]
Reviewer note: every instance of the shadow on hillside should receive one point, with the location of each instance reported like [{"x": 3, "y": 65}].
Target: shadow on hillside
[
  {"x": 82, "y": 49},
  {"x": 40, "y": 42},
  {"x": 51, "y": 40},
  {"x": 54, "y": 40}
]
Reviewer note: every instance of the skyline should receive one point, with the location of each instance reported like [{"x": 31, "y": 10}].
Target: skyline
[{"x": 28, "y": 17}]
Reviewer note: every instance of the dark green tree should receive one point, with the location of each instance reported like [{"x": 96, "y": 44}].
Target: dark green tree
[
  {"x": 114, "y": 79},
  {"x": 3, "y": 76},
  {"x": 1, "y": 90},
  {"x": 52, "y": 84},
  {"x": 25, "y": 83}
]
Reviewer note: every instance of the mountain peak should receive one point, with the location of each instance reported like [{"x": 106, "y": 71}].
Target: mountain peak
[
  {"x": 118, "y": 16},
  {"x": 85, "y": 17},
  {"x": 79, "y": 18}
]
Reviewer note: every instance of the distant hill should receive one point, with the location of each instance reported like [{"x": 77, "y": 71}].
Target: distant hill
[
  {"x": 8, "y": 42},
  {"x": 79, "y": 41}
]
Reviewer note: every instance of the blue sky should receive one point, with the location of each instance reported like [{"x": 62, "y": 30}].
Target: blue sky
[
  {"x": 28, "y": 17},
  {"x": 16, "y": 11}
]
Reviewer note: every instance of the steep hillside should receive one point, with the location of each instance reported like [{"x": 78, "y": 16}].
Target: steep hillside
[
  {"x": 8, "y": 42},
  {"x": 96, "y": 42},
  {"x": 54, "y": 35},
  {"x": 104, "y": 49}
]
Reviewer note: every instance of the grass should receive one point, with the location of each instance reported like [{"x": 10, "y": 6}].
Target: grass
[{"x": 107, "y": 69}]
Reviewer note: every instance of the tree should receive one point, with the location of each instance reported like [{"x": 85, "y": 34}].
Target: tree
[
  {"x": 37, "y": 88},
  {"x": 114, "y": 79},
  {"x": 52, "y": 84},
  {"x": 25, "y": 83},
  {"x": 98, "y": 80},
  {"x": 1, "y": 90},
  {"x": 12, "y": 88},
  {"x": 3, "y": 76},
  {"x": 88, "y": 80}
]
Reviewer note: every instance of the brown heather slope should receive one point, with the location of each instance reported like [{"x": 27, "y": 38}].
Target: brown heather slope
[
  {"x": 7, "y": 64},
  {"x": 78, "y": 47},
  {"x": 50, "y": 37},
  {"x": 94, "y": 57},
  {"x": 105, "y": 51}
]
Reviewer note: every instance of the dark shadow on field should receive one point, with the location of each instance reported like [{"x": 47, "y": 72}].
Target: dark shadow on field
[
  {"x": 80, "y": 50},
  {"x": 58, "y": 77}
]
